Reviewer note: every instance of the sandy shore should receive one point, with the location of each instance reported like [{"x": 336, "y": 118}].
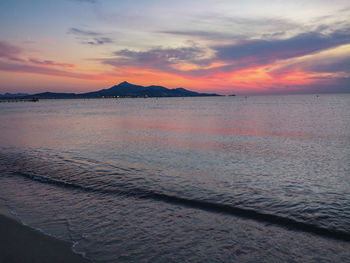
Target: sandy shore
[{"x": 19, "y": 244}]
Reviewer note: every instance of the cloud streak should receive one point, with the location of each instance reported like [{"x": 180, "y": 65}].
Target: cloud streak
[
  {"x": 335, "y": 61},
  {"x": 10, "y": 61},
  {"x": 158, "y": 58},
  {"x": 82, "y": 32},
  {"x": 50, "y": 63},
  {"x": 203, "y": 34},
  {"x": 89, "y": 37},
  {"x": 10, "y": 52},
  {"x": 266, "y": 51},
  {"x": 23, "y": 68},
  {"x": 98, "y": 41}
]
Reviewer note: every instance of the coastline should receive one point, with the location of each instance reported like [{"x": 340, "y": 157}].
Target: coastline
[{"x": 19, "y": 244}]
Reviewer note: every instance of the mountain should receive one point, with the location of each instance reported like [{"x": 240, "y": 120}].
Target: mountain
[
  {"x": 54, "y": 95},
  {"x": 126, "y": 89},
  {"x": 13, "y": 95}
]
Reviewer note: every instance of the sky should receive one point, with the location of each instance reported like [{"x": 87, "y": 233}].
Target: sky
[{"x": 223, "y": 46}]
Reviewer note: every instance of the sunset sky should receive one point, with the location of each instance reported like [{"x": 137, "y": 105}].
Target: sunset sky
[{"x": 241, "y": 47}]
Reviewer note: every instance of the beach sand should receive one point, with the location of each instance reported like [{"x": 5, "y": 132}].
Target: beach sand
[{"x": 19, "y": 244}]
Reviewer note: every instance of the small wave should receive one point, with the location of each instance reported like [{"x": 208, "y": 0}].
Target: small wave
[
  {"x": 16, "y": 217},
  {"x": 201, "y": 204},
  {"x": 82, "y": 253}
]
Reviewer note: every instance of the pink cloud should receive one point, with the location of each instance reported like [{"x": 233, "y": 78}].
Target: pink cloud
[
  {"x": 25, "y": 68},
  {"x": 50, "y": 63}
]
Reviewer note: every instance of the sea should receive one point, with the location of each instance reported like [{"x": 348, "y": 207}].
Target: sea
[{"x": 204, "y": 179}]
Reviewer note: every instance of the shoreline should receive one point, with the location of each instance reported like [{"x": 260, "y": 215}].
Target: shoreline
[{"x": 20, "y": 243}]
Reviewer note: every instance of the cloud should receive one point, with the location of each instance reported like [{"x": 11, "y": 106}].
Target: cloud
[
  {"x": 198, "y": 61},
  {"x": 335, "y": 61},
  {"x": 330, "y": 65},
  {"x": 99, "y": 41},
  {"x": 89, "y": 37},
  {"x": 235, "y": 28},
  {"x": 203, "y": 34},
  {"x": 264, "y": 51},
  {"x": 253, "y": 53},
  {"x": 157, "y": 58},
  {"x": 82, "y": 32},
  {"x": 24, "y": 68},
  {"x": 159, "y": 54},
  {"x": 342, "y": 65},
  {"x": 9, "y": 51},
  {"x": 12, "y": 59},
  {"x": 50, "y": 63},
  {"x": 233, "y": 21}
]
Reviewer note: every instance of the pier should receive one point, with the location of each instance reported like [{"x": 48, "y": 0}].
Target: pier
[{"x": 19, "y": 100}]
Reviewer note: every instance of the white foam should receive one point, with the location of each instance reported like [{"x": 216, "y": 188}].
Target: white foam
[
  {"x": 75, "y": 243},
  {"x": 7, "y": 211}
]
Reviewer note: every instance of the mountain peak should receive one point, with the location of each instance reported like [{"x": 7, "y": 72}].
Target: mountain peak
[{"x": 124, "y": 83}]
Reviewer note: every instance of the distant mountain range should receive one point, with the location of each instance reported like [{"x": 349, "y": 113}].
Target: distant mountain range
[
  {"x": 123, "y": 90},
  {"x": 13, "y": 95}
]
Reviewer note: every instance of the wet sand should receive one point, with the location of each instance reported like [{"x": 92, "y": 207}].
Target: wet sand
[{"x": 21, "y": 244}]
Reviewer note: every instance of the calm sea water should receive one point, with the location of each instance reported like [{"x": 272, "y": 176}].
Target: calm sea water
[{"x": 222, "y": 179}]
